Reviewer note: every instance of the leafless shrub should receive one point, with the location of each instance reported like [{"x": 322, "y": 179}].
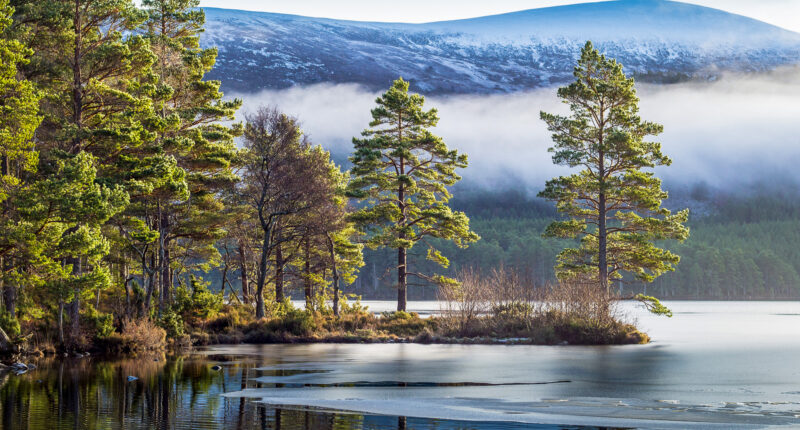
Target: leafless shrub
[
  {"x": 582, "y": 299},
  {"x": 143, "y": 335},
  {"x": 463, "y": 303},
  {"x": 506, "y": 303}
]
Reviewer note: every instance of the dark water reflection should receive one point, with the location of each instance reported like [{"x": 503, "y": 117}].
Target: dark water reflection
[{"x": 175, "y": 392}]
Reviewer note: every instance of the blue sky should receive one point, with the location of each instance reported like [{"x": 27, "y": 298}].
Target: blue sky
[{"x": 784, "y": 13}]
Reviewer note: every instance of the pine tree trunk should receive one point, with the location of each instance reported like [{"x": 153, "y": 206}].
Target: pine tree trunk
[
  {"x": 74, "y": 315},
  {"x": 335, "y": 271},
  {"x": 262, "y": 275},
  {"x": 401, "y": 279},
  {"x": 602, "y": 245},
  {"x": 224, "y": 278},
  {"x": 601, "y": 214},
  {"x": 279, "y": 263},
  {"x": 150, "y": 282},
  {"x": 10, "y": 299},
  {"x": 5, "y": 343},
  {"x": 401, "y": 252},
  {"x": 307, "y": 281},
  {"x": 9, "y": 290},
  {"x": 75, "y": 304},
  {"x": 123, "y": 274},
  {"x": 243, "y": 265},
  {"x": 61, "y": 321},
  {"x": 166, "y": 270},
  {"x": 148, "y": 290}
]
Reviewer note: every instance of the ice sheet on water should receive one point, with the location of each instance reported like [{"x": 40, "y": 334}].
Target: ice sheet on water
[{"x": 716, "y": 365}]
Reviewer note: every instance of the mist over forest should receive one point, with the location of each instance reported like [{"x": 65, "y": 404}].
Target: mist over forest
[{"x": 733, "y": 132}]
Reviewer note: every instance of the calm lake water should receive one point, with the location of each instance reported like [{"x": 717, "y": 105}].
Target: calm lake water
[{"x": 713, "y": 365}]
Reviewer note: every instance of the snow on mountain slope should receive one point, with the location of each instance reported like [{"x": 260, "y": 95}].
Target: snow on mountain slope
[{"x": 656, "y": 40}]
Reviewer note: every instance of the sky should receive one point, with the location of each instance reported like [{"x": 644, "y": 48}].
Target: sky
[{"x": 783, "y": 13}]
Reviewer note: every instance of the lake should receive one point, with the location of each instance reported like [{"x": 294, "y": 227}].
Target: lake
[{"x": 713, "y": 365}]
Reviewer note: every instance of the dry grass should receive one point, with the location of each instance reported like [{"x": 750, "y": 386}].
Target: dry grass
[
  {"x": 505, "y": 304},
  {"x": 137, "y": 335}
]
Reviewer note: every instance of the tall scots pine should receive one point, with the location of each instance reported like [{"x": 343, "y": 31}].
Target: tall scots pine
[
  {"x": 193, "y": 113},
  {"x": 613, "y": 204},
  {"x": 401, "y": 172}
]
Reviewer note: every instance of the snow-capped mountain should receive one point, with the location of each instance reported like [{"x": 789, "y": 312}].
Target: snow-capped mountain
[{"x": 656, "y": 40}]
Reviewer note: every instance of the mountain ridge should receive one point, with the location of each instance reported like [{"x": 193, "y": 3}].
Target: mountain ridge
[{"x": 657, "y": 40}]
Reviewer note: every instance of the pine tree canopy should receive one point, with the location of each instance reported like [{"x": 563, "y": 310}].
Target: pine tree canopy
[
  {"x": 402, "y": 172},
  {"x": 613, "y": 204}
]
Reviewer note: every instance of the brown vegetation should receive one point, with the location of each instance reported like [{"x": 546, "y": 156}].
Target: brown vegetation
[
  {"x": 505, "y": 304},
  {"x": 137, "y": 335},
  {"x": 503, "y": 307}
]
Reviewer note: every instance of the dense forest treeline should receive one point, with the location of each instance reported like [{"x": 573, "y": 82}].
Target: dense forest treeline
[
  {"x": 743, "y": 244},
  {"x": 122, "y": 183}
]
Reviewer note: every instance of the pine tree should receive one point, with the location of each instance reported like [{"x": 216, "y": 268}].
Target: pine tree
[
  {"x": 613, "y": 204},
  {"x": 97, "y": 108},
  {"x": 346, "y": 257},
  {"x": 192, "y": 111},
  {"x": 69, "y": 207},
  {"x": 402, "y": 171},
  {"x": 19, "y": 118}
]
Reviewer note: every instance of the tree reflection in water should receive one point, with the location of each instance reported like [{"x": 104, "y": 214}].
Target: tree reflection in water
[{"x": 171, "y": 392}]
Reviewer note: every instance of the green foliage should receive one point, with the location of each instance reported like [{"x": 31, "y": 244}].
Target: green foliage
[
  {"x": 397, "y": 315},
  {"x": 196, "y": 300},
  {"x": 103, "y": 323},
  {"x": 172, "y": 323},
  {"x": 351, "y": 304},
  {"x": 194, "y": 130},
  {"x": 742, "y": 245},
  {"x": 653, "y": 305},
  {"x": 9, "y": 324},
  {"x": 613, "y": 204},
  {"x": 401, "y": 172},
  {"x": 19, "y": 110},
  {"x": 20, "y": 240},
  {"x": 294, "y": 321}
]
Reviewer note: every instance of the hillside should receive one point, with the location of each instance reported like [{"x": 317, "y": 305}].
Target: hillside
[{"x": 656, "y": 40}]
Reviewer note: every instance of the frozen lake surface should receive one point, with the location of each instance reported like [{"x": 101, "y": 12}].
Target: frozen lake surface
[{"x": 713, "y": 365}]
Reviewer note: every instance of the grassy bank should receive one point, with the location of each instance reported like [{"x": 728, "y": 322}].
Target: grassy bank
[
  {"x": 505, "y": 325},
  {"x": 501, "y": 308}
]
